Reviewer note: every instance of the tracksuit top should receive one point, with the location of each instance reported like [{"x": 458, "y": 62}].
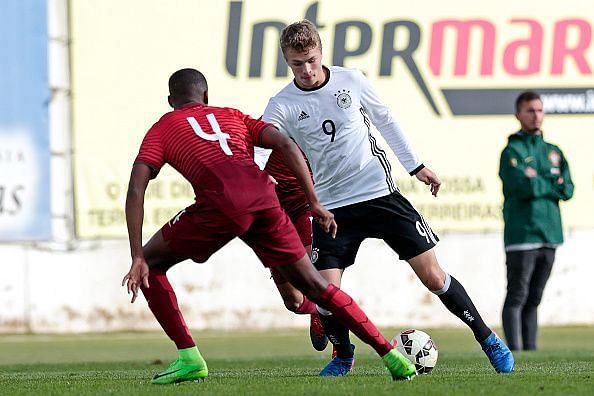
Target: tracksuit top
[{"x": 531, "y": 204}]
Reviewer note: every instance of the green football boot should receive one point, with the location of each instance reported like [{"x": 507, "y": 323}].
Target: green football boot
[
  {"x": 190, "y": 366},
  {"x": 399, "y": 366}
]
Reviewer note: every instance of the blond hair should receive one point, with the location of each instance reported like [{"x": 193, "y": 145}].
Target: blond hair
[{"x": 300, "y": 36}]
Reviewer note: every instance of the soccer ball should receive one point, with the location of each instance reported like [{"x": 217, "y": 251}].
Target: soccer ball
[{"x": 419, "y": 348}]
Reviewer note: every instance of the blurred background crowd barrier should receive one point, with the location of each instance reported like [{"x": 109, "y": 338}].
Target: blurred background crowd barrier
[{"x": 82, "y": 81}]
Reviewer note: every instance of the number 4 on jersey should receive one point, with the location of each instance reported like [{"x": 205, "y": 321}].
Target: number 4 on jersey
[{"x": 217, "y": 135}]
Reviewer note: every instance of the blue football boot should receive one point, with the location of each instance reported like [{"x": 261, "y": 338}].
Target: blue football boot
[
  {"x": 499, "y": 355},
  {"x": 339, "y": 367}
]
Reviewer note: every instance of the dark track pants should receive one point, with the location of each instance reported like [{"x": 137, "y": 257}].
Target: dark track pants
[{"x": 527, "y": 275}]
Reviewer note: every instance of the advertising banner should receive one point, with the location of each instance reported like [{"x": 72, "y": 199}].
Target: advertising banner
[
  {"x": 25, "y": 212},
  {"x": 449, "y": 71}
]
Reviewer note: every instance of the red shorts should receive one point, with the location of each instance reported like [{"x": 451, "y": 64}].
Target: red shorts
[
  {"x": 197, "y": 233},
  {"x": 302, "y": 221}
]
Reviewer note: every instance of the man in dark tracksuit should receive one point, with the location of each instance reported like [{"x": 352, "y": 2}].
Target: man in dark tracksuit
[{"x": 535, "y": 177}]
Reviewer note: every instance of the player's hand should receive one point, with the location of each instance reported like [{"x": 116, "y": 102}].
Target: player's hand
[
  {"x": 324, "y": 218},
  {"x": 427, "y": 176},
  {"x": 530, "y": 172},
  {"x": 138, "y": 275}
]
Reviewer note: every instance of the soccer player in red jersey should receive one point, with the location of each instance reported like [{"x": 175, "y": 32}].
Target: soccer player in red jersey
[
  {"x": 212, "y": 147},
  {"x": 294, "y": 202}
]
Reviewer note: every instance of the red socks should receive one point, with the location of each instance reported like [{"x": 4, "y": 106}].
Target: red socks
[
  {"x": 163, "y": 303},
  {"x": 306, "y": 307},
  {"x": 348, "y": 312}
]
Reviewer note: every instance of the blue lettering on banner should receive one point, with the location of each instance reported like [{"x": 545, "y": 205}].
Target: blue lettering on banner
[{"x": 25, "y": 211}]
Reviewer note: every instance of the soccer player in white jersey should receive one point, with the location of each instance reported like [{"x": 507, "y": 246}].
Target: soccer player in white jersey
[{"x": 327, "y": 111}]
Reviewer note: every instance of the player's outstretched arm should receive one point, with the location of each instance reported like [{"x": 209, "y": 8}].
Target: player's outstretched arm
[
  {"x": 273, "y": 139},
  {"x": 428, "y": 177},
  {"x": 138, "y": 273}
]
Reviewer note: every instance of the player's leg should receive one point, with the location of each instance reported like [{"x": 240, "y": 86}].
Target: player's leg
[
  {"x": 275, "y": 242},
  {"x": 293, "y": 299},
  {"x": 450, "y": 292},
  {"x": 520, "y": 266},
  {"x": 187, "y": 235},
  {"x": 302, "y": 219},
  {"x": 296, "y": 302},
  {"x": 453, "y": 295},
  {"x": 306, "y": 278},
  {"x": 406, "y": 231},
  {"x": 343, "y": 351},
  {"x": 331, "y": 256},
  {"x": 163, "y": 304},
  {"x": 160, "y": 295},
  {"x": 540, "y": 276}
]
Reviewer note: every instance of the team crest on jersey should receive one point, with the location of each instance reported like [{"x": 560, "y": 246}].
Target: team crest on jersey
[
  {"x": 314, "y": 255},
  {"x": 343, "y": 99},
  {"x": 554, "y": 158}
]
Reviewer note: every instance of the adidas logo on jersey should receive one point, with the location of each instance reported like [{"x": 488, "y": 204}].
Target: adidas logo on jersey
[{"x": 302, "y": 116}]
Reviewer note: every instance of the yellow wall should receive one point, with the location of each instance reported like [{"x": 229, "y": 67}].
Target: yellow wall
[{"x": 124, "y": 51}]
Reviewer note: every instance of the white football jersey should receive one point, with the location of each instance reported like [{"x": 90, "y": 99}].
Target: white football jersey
[{"x": 331, "y": 124}]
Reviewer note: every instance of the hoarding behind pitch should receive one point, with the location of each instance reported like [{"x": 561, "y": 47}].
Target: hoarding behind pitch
[
  {"x": 25, "y": 212},
  {"x": 449, "y": 78}
]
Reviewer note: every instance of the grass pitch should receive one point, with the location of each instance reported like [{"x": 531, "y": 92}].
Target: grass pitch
[{"x": 283, "y": 363}]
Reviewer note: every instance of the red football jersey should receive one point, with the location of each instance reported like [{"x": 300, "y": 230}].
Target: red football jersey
[
  {"x": 212, "y": 148},
  {"x": 289, "y": 191}
]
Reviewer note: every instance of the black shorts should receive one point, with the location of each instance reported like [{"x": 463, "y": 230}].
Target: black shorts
[{"x": 391, "y": 218}]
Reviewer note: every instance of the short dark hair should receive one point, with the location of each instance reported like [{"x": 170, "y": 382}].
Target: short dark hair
[
  {"x": 526, "y": 96},
  {"x": 186, "y": 82}
]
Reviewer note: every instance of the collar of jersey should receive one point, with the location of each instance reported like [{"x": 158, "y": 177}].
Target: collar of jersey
[
  {"x": 191, "y": 104},
  {"x": 319, "y": 86},
  {"x": 522, "y": 132}
]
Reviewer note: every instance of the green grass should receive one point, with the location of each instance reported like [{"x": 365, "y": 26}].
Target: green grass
[{"x": 283, "y": 363}]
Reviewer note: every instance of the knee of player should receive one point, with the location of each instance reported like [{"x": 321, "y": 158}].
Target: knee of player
[
  {"x": 313, "y": 294},
  {"x": 433, "y": 282},
  {"x": 516, "y": 296},
  {"x": 292, "y": 304}
]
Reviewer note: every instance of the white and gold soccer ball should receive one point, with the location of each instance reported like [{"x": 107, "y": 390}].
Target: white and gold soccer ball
[{"x": 419, "y": 348}]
